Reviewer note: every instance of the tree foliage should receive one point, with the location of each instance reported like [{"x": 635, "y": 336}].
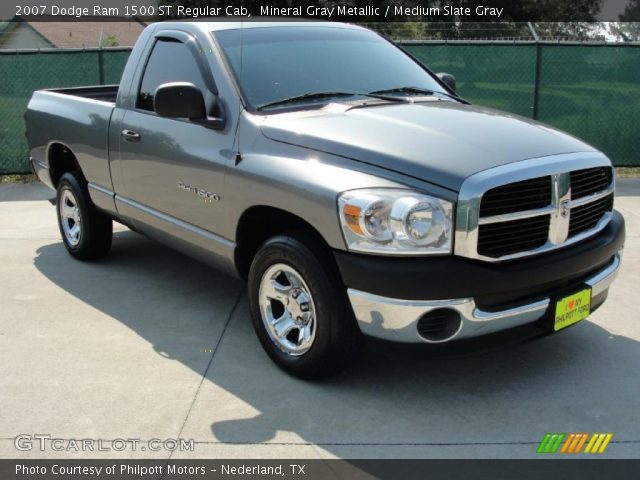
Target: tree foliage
[{"x": 632, "y": 13}]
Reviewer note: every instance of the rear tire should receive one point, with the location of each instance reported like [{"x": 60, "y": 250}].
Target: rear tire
[
  {"x": 295, "y": 287},
  {"x": 86, "y": 232}
]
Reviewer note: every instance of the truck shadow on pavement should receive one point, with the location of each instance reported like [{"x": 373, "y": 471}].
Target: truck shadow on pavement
[{"x": 499, "y": 390}]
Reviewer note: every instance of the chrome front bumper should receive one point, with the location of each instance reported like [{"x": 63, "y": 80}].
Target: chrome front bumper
[{"x": 397, "y": 320}]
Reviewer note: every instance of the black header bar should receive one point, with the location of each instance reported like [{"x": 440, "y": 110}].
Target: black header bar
[{"x": 337, "y": 10}]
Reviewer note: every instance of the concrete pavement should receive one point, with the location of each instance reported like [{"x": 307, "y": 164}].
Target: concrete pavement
[{"x": 149, "y": 344}]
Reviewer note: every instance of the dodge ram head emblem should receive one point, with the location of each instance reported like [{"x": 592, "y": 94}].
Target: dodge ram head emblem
[{"x": 565, "y": 208}]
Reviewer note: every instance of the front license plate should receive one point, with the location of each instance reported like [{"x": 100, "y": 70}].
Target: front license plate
[{"x": 572, "y": 309}]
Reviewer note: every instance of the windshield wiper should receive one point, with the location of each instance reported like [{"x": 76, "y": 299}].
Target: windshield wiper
[
  {"x": 423, "y": 91},
  {"x": 413, "y": 90},
  {"x": 321, "y": 95}
]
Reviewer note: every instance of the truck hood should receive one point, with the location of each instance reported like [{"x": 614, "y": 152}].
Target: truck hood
[{"x": 441, "y": 142}]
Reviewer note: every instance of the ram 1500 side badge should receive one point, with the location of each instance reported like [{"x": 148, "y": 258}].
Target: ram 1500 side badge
[{"x": 199, "y": 191}]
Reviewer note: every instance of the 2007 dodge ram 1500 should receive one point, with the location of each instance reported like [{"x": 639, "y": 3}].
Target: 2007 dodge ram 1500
[{"x": 348, "y": 184}]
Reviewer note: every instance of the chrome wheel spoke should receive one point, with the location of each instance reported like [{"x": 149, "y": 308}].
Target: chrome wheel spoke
[
  {"x": 273, "y": 289},
  {"x": 284, "y": 325},
  {"x": 74, "y": 232},
  {"x": 286, "y": 305},
  {"x": 68, "y": 211},
  {"x": 292, "y": 278},
  {"x": 305, "y": 335}
]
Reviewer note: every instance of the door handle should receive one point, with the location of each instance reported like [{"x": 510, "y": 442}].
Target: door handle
[{"x": 130, "y": 135}]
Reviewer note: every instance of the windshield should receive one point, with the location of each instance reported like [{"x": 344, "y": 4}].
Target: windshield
[{"x": 279, "y": 63}]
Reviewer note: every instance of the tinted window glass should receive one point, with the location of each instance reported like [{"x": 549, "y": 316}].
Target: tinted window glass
[
  {"x": 170, "y": 61},
  {"x": 282, "y": 62}
]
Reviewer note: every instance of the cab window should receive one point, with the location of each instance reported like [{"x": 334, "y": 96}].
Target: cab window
[{"x": 170, "y": 61}]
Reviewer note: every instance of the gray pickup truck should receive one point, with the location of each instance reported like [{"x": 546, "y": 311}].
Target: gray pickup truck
[{"x": 348, "y": 184}]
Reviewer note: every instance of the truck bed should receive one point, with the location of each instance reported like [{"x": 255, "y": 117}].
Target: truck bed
[
  {"x": 78, "y": 119},
  {"x": 104, "y": 93}
]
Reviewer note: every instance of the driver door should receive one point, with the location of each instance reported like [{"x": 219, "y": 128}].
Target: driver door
[{"x": 172, "y": 169}]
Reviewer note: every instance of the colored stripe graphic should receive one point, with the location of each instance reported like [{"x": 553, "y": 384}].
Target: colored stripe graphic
[
  {"x": 598, "y": 443},
  {"x": 581, "y": 442},
  {"x": 550, "y": 443},
  {"x": 543, "y": 444},
  {"x": 570, "y": 440},
  {"x": 605, "y": 442},
  {"x": 574, "y": 442}
]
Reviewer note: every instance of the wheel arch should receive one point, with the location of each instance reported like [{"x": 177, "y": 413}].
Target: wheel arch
[
  {"x": 261, "y": 222},
  {"x": 61, "y": 160}
]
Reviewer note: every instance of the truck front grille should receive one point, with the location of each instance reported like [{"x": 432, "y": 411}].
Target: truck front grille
[
  {"x": 587, "y": 216},
  {"x": 539, "y": 214},
  {"x": 589, "y": 181},
  {"x": 505, "y": 238},
  {"x": 518, "y": 196}
]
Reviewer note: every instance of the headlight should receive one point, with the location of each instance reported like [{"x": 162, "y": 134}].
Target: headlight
[{"x": 395, "y": 222}]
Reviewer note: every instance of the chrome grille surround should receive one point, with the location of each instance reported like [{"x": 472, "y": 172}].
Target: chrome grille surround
[{"x": 468, "y": 218}]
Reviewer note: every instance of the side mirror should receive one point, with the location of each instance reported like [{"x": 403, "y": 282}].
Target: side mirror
[
  {"x": 448, "y": 79},
  {"x": 185, "y": 100},
  {"x": 179, "y": 100}
]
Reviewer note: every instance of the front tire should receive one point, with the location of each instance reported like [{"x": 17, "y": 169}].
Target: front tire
[
  {"x": 86, "y": 232},
  {"x": 299, "y": 307}
]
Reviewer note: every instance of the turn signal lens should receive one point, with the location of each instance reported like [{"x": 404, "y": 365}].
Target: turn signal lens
[{"x": 351, "y": 215}]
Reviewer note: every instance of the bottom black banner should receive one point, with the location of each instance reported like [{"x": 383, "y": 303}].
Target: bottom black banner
[{"x": 319, "y": 469}]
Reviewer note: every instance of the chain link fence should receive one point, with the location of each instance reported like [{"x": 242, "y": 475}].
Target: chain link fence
[
  {"x": 23, "y": 72},
  {"x": 589, "y": 90}
]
